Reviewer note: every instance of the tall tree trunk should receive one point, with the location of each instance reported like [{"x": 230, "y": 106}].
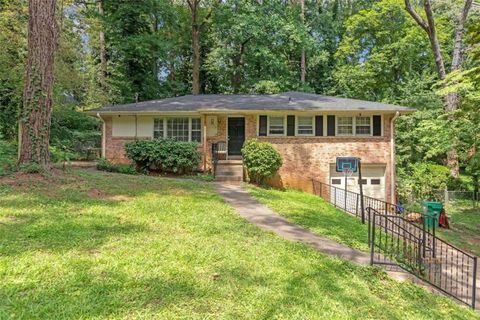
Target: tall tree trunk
[
  {"x": 195, "y": 59},
  {"x": 303, "y": 67},
  {"x": 451, "y": 100},
  {"x": 38, "y": 91},
  {"x": 194, "y": 8},
  {"x": 237, "y": 67},
  {"x": 103, "y": 52}
]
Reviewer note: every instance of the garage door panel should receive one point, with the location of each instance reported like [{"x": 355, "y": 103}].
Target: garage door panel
[{"x": 373, "y": 176}]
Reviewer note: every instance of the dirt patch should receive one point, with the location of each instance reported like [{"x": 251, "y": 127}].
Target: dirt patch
[
  {"x": 474, "y": 241},
  {"x": 101, "y": 195},
  {"x": 27, "y": 179}
]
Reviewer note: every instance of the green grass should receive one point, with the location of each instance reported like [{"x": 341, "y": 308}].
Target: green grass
[
  {"x": 315, "y": 214},
  {"x": 464, "y": 227},
  {"x": 92, "y": 245}
]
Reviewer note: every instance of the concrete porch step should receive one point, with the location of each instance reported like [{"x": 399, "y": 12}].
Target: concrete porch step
[
  {"x": 230, "y": 162},
  {"x": 230, "y": 170},
  {"x": 231, "y": 179}
]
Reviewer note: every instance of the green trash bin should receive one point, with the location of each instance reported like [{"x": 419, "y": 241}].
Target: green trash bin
[{"x": 431, "y": 213}]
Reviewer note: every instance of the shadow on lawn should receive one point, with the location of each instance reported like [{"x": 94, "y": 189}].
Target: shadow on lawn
[
  {"x": 29, "y": 233},
  {"x": 88, "y": 292}
]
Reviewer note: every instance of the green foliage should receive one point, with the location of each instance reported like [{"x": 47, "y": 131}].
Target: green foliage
[
  {"x": 165, "y": 155},
  {"x": 266, "y": 87},
  {"x": 31, "y": 167},
  {"x": 8, "y": 157},
  {"x": 58, "y": 155},
  {"x": 105, "y": 165},
  {"x": 420, "y": 180},
  {"x": 261, "y": 159},
  {"x": 74, "y": 133}
]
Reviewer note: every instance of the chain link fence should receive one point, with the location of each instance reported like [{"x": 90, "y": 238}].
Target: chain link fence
[{"x": 468, "y": 199}]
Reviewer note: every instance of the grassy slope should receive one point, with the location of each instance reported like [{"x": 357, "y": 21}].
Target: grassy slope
[
  {"x": 98, "y": 245},
  {"x": 465, "y": 226},
  {"x": 314, "y": 213}
]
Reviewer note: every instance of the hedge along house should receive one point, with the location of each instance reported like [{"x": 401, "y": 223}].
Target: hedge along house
[{"x": 309, "y": 131}]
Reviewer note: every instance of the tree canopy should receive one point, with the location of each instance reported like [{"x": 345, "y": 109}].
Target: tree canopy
[{"x": 112, "y": 51}]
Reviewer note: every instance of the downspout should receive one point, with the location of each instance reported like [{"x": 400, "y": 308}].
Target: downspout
[
  {"x": 392, "y": 157},
  {"x": 103, "y": 134}
]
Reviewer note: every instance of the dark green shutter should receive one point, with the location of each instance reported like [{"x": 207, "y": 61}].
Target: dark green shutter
[
  {"x": 319, "y": 125},
  {"x": 262, "y": 126},
  {"x": 377, "y": 125},
  {"x": 330, "y": 125},
  {"x": 290, "y": 125}
]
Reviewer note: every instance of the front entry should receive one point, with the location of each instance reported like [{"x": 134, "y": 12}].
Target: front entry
[{"x": 236, "y": 135}]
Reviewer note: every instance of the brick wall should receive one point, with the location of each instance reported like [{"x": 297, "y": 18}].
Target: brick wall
[
  {"x": 304, "y": 158},
  {"x": 114, "y": 146}
]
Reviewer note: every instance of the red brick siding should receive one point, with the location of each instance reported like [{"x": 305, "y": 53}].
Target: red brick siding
[{"x": 304, "y": 158}]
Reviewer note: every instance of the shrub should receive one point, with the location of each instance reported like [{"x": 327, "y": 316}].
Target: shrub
[
  {"x": 8, "y": 157},
  {"x": 105, "y": 165},
  {"x": 421, "y": 180},
  {"x": 59, "y": 155},
  {"x": 74, "y": 132},
  {"x": 164, "y": 155},
  {"x": 261, "y": 159}
]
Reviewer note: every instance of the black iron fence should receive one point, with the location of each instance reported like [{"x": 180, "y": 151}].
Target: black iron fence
[
  {"x": 214, "y": 158},
  {"x": 395, "y": 240}
]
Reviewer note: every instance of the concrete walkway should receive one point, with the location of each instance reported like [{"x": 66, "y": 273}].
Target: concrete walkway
[{"x": 262, "y": 216}]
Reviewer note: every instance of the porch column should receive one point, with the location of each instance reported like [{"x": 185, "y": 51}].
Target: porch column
[{"x": 204, "y": 143}]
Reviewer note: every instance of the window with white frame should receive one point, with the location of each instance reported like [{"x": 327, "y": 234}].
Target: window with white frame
[
  {"x": 276, "y": 125},
  {"x": 158, "y": 131},
  {"x": 305, "y": 126},
  {"x": 181, "y": 129},
  {"x": 345, "y": 126},
  {"x": 196, "y": 130},
  {"x": 363, "y": 126},
  {"x": 177, "y": 128}
]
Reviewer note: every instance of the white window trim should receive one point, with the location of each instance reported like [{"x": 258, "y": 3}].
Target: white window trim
[
  {"x": 297, "y": 122},
  {"x": 354, "y": 127},
  {"x": 284, "y": 134},
  {"x": 363, "y": 134},
  {"x": 165, "y": 129}
]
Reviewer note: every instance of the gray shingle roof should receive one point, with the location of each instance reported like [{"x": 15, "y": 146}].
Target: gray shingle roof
[{"x": 263, "y": 102}]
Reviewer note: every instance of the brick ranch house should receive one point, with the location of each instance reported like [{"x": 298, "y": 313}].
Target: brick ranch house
[{"x": 309, "y": 131}]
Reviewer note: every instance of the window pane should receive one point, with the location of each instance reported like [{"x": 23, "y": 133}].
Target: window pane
[
  {"x": 345, "y": 121},
  {"x": 305, "y": 125},
  {"x": 362, "y": 125},
  {"x": 345, "y": 125},
  {"x": 158, "y": 128},
  {"x": 196, "y": 130},
  {"x": 363, "y": 121},
  {"x": 177, "y": 128},
  {"x": 276, "y": 125}
]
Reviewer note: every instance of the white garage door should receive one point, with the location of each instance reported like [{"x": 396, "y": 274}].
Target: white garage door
[{"x": 373, "y": 177}]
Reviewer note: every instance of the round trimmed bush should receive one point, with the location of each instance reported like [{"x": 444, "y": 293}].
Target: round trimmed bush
[
  {"x": 261, "y": 159},
  {"x": 164, "y": 155}
]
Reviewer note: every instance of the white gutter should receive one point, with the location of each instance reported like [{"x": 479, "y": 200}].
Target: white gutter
[
  {"x": 392, "y": 157},
  {"x": 103, "y": 134}
]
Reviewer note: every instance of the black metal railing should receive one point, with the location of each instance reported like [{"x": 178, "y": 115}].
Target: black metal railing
[
  {"x": 214, "y": 158},
  {"x": 395, "y": 240},
  {"x": 217, "y": 148},
  {"x": 393, "y": 243}
]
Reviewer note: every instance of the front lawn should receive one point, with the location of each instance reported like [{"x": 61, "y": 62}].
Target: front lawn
[
  {"x": 464, "y": 227},
  {"x": 315, "y": 214},
  {"x": 98, "y": 245}
]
